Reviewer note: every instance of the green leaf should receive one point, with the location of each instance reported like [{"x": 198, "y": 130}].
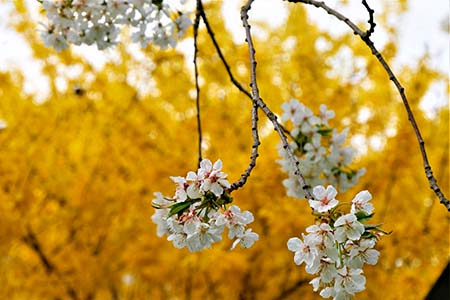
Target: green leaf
[
  {"x": 301, "y": 140},
  {"x": 363, "y": 216},
  {"x": 368, "y": 235},
  {"x": 372, "y": 226},
  {"x": 180, "y": 207},
  {"x": 325, "y": 131},
  {"x": 350, "y": 174},
  {"x": 227, "y": 199}
]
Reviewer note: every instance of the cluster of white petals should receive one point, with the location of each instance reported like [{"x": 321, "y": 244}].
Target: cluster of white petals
[
  {"x": 100, "y": 22},
  {"x": 338, "y": 245},
  {"x": 320, "y": 150},
  {"x": 197, "y": 215}
]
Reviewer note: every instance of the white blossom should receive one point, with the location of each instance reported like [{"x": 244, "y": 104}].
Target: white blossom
[
  {"x": 201, "y": 235},
  {"x": 320, "y": 150},
  {"x": 335, "y": 248},
  {"x": 303, "y": 252},
  {"x": 291, "y": 109},
  {"x": 178, "y": 239},
  {"x": 350, "y": 280},
  {"x": 235, "y": 220},
  {"x": 327, "y": 269},
  {"x": 325, "y": 198},
  {"x": 193, "y": 189},
  {"x": 196, "y": 216},
  {"x": 213, "y": 179},
  {"x": 362, "y": 253},
  {"x": 246, "y": 240},
  {"x": 361, "y": 203},
  {"x": 180, "y": 192},
  {"x": 100, "y": 22},
  {"x": 322, "y": 237},
  {"x": 325, "y": 114},
  {"x": 347, "y": 226}
]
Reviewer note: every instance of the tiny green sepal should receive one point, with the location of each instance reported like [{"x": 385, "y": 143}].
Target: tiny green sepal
[
  {"x": 363, "y": 216},
  {"x": 372, "y": 226}
]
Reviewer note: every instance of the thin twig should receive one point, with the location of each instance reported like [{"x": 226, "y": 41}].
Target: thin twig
[
  {"x": 287, "y": 292},
  {"x": 197, "y": 86},
  {"x": 32, "y": 241},
  {"x": 257, "y": 99},
  {"x": 371, "y": 21},
  {"x": 443, "y": 163},
  {"x": 254, "y": 154},
  {"x": 219, "y": 52},
  {"x": 236, "y": 83},
  {"x": 366, "y": 38},
  {"x": 227, "y": 66}
]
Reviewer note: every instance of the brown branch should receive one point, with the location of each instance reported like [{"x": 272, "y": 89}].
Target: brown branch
[
  {"x": 197, "y": 86},
  {"x": 257, "y": 99},
  {"x": 401, "y": 90},
  {"x": 266, "y": 110},
  {"x": 219, "y": 51},
  {"x": 443, "y": 164},
  {"x": 371, "y": 21},
  {"x": 114, "y": 292},
  {"x": 286, "y": 292},
  {"x": 254, "y": 153},
  {"x": 31, "y": 240}
]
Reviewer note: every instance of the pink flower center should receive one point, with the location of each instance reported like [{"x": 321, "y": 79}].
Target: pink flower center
[{"x": 325, "y": 201}]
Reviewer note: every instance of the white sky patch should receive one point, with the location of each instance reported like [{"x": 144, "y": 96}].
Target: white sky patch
[
  {"x": 341, "y": 64},
  {"x": 355, "y": 11},
  {"x": 323, "y": 44},
  {"x": 435, "y": 98},
  {"x": 186, "y": 46},
  {"x": 422, "y": 31},
  {"x": 272, "y": 13},
  {"x": 93, "y": 56}
]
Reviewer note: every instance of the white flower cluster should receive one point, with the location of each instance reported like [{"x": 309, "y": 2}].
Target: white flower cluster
[
  {"x": 197, "y": 214},
  {"x": 338, "y": 245},
  {"x": 100, "y": 21},
  {"x": 323, "y": 158}
]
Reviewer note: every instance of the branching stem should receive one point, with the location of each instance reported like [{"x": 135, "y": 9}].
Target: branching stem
[
  {"x": 365, "y": 36},
  {"x": 371, "y": 21},
  {"x": 257, "y": 99},
  {"x": 256, "y": 142},
  {"x": 197, "y": 86}
]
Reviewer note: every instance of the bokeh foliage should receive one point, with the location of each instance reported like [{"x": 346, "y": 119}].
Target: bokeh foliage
[{"x": 77, "y": 172}]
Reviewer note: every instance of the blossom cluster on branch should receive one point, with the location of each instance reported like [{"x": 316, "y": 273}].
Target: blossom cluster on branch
[
  {"x": 338, "y": 245},
  {"x": 100, "y": 21},
  {"x": 320, "y": 150},
  {"x": 196, "y": 216}
]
